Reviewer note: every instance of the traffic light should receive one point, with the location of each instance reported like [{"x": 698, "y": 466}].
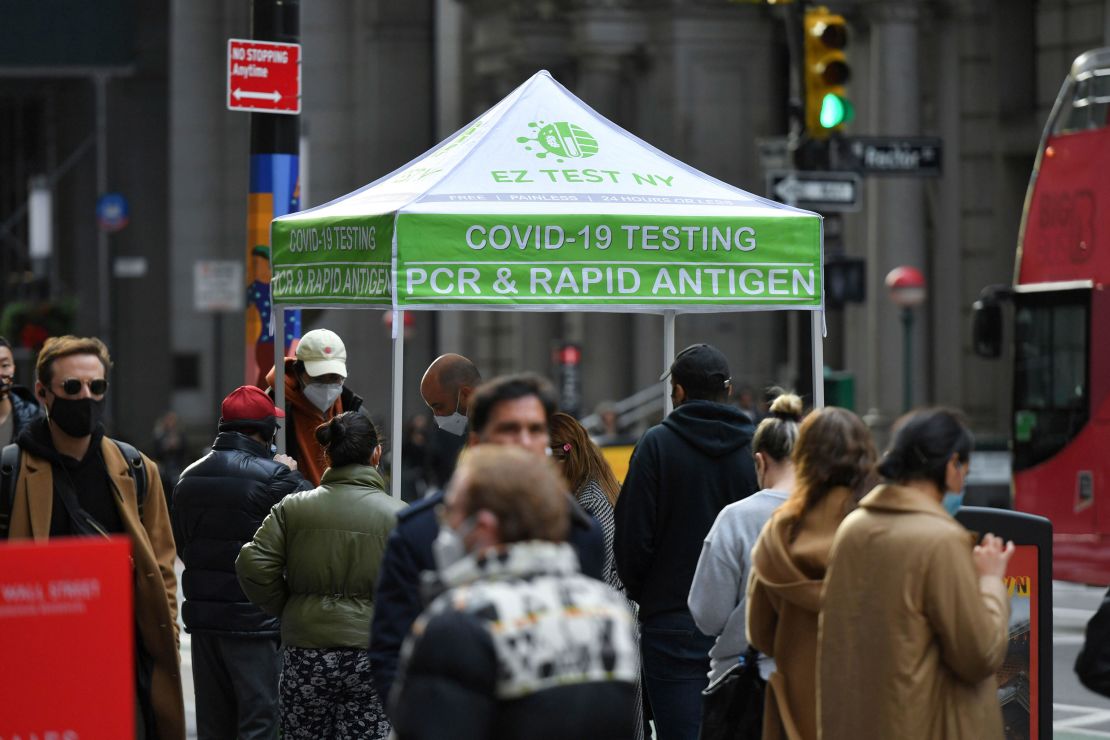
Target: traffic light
[{"x": 826, "y": 72}]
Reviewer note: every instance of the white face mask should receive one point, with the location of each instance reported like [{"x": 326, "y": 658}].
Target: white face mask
[
  {"x": 323, "y": 395},
  {"x": 453, "y": 423},
  {"x": 448, "y": 547}
]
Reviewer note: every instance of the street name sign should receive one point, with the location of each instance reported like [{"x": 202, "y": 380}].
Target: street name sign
[
  {"x": 918, "y": 156},
  {"x": 263, "y": 76},
  {"x": 816, "y": 191}
]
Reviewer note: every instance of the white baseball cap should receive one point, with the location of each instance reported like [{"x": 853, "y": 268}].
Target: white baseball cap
[{"x": 322, "y": 353}]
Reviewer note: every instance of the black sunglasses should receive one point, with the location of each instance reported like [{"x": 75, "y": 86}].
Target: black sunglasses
[{"x": 72, "y": 386}]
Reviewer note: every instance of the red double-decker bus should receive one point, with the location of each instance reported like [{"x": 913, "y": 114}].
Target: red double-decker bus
[{"x": 1060, "y": 435}]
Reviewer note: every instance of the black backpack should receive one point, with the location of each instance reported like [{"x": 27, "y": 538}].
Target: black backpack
[{"x": 9, "y": 472}]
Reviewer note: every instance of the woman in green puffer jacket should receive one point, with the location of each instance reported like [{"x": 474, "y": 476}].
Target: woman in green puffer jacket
[{"x": 314, "y": 563}]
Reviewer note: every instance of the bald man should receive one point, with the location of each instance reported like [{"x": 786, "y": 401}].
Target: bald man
[{"x": 446, "y": 388}]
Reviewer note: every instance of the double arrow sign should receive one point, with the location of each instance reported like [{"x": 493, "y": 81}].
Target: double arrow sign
[
  {"x": 238, "y": 94},
  {"x": 816, "y": 191},
  {"x": 263, "y": 76}
]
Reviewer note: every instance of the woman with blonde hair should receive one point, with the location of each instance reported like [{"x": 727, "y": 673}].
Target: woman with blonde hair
[
  {"x": 716, "y": 598},
  {"x": 591, "y": 479},
  {"x": 833, "y": 460}
]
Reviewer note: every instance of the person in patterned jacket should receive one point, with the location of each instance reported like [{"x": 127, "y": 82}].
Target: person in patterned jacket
[{"x": 521, "y": 644}]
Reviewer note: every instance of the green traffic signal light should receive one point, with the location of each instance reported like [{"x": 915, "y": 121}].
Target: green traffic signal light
[{"x": 835, "y": 110}]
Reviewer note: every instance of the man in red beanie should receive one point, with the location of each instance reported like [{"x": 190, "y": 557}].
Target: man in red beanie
[{"x": 218, "y": 505}]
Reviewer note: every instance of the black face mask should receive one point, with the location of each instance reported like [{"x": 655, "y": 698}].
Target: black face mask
[{"x": 77, "y": 417}]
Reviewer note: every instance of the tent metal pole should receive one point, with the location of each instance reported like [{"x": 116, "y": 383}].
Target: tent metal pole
[
  {"x": 816, "y": 325},
  {"x": 396, "y": 411},
  {"x": 668, "y": 357},
  {"x": 278, "y": 317}
]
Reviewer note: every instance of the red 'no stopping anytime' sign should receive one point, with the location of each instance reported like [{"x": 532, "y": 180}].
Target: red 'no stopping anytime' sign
[{"x": 263, "y": 76}]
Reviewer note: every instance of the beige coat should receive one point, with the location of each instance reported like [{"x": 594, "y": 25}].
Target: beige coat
[
  {"x": 910, "y": 635},
  {"x": 152, "y": 550},
  {"x": 784, "y": 597}
]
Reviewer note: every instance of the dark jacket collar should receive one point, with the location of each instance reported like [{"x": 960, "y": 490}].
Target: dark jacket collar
[
  {"x": 241, "y": 442},
  {"x": 25, "y": 407},
  {"x": 36, "y": 440}
]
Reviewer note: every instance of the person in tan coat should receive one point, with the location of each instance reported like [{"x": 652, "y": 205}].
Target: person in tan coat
[
  {"x": 910, "y": 649},
  {"x": 74, "y": 481},
  {"x": 833, "y": 458}
]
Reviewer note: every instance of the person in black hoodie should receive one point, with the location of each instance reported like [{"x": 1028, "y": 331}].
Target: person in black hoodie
[
  {"x": 682, "y": 473},
  {"x": 18, "y": 407},
  {"x": 219, "y": 503}
]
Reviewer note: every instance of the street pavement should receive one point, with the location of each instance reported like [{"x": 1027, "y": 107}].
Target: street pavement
[{"x": 1078, "y": 714}]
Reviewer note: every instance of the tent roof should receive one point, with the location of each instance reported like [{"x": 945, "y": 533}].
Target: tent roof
[
  {"x": 541, "y": 150},
  {"x": 543, "y": 204}
]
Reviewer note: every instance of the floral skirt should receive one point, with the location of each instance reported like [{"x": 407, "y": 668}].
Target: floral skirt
[{"x": 327, "y": 693}]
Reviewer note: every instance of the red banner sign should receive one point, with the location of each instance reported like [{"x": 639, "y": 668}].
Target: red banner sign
[
  {"x": 263, "y": 76},
  {"x": 66, "y": 639}
]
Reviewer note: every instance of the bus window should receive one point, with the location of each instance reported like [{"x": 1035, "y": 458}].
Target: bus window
[
  {"x": 1050, "y": 373},
  {"x": 1089, "y": 105}
]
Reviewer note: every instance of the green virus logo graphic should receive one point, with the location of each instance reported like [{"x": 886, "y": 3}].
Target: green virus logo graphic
[{"x": 561, "y": 139}]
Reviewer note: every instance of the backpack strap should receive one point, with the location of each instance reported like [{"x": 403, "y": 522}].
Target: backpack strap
[
  {"x": 9, "y": 471},
  {"x": 136, "y": 469}
]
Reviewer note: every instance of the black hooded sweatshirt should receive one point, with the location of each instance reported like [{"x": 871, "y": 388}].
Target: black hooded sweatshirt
[
  {"x": 682, "y": 473},
  {"x": 88, "y": 478}
]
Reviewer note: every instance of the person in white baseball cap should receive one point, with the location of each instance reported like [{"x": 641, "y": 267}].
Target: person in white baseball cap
[{"x": 314, "y": 393}]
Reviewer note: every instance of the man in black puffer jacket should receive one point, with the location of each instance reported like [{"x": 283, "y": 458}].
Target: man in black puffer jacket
[{"x": 218, "y": 505}]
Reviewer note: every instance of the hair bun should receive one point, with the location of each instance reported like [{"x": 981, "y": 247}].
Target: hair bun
[
  {"x": 787, "y": 407},
  {"x": 329, "y": 432}
]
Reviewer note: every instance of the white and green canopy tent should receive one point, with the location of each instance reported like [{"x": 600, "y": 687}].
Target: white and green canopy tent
[{"x": 543, "y": 204}]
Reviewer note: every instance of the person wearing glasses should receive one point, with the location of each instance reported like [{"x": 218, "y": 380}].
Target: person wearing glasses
[
  {"x": 73, "y": 480},
  {"x": 314, "y": 563}
]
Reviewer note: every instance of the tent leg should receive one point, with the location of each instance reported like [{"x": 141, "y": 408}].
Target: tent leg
[
  {"x": 396, "y": 411},
  {"x": 816, "y": 326},
  {"x": 277, "y": 316},
  {"x": 668, "y": 358}
]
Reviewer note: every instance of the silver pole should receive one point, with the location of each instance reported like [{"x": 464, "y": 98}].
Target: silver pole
[
  {"x": 277, "y": 315},
  {"x": 396, "y": 411},
  {"x": 668, "y": 357},
  {"x": 816, "y": 325}
]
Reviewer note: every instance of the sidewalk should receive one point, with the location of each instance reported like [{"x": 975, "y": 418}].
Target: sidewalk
[{"x": 186, "y": 666}]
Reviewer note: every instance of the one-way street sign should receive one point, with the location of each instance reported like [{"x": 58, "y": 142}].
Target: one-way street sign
[
  {"x": 816, "y": 191},
  {"x": 889, "y": 155}
]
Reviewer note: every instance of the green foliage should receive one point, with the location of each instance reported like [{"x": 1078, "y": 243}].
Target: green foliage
[{"x": 29, "y": 323}]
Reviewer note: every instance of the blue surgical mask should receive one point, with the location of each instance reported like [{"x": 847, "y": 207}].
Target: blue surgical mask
[{"x": 952, "y": 502}]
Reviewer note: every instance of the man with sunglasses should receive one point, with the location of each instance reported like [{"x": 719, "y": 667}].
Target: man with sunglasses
[{"x": 73, "y": 480}]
